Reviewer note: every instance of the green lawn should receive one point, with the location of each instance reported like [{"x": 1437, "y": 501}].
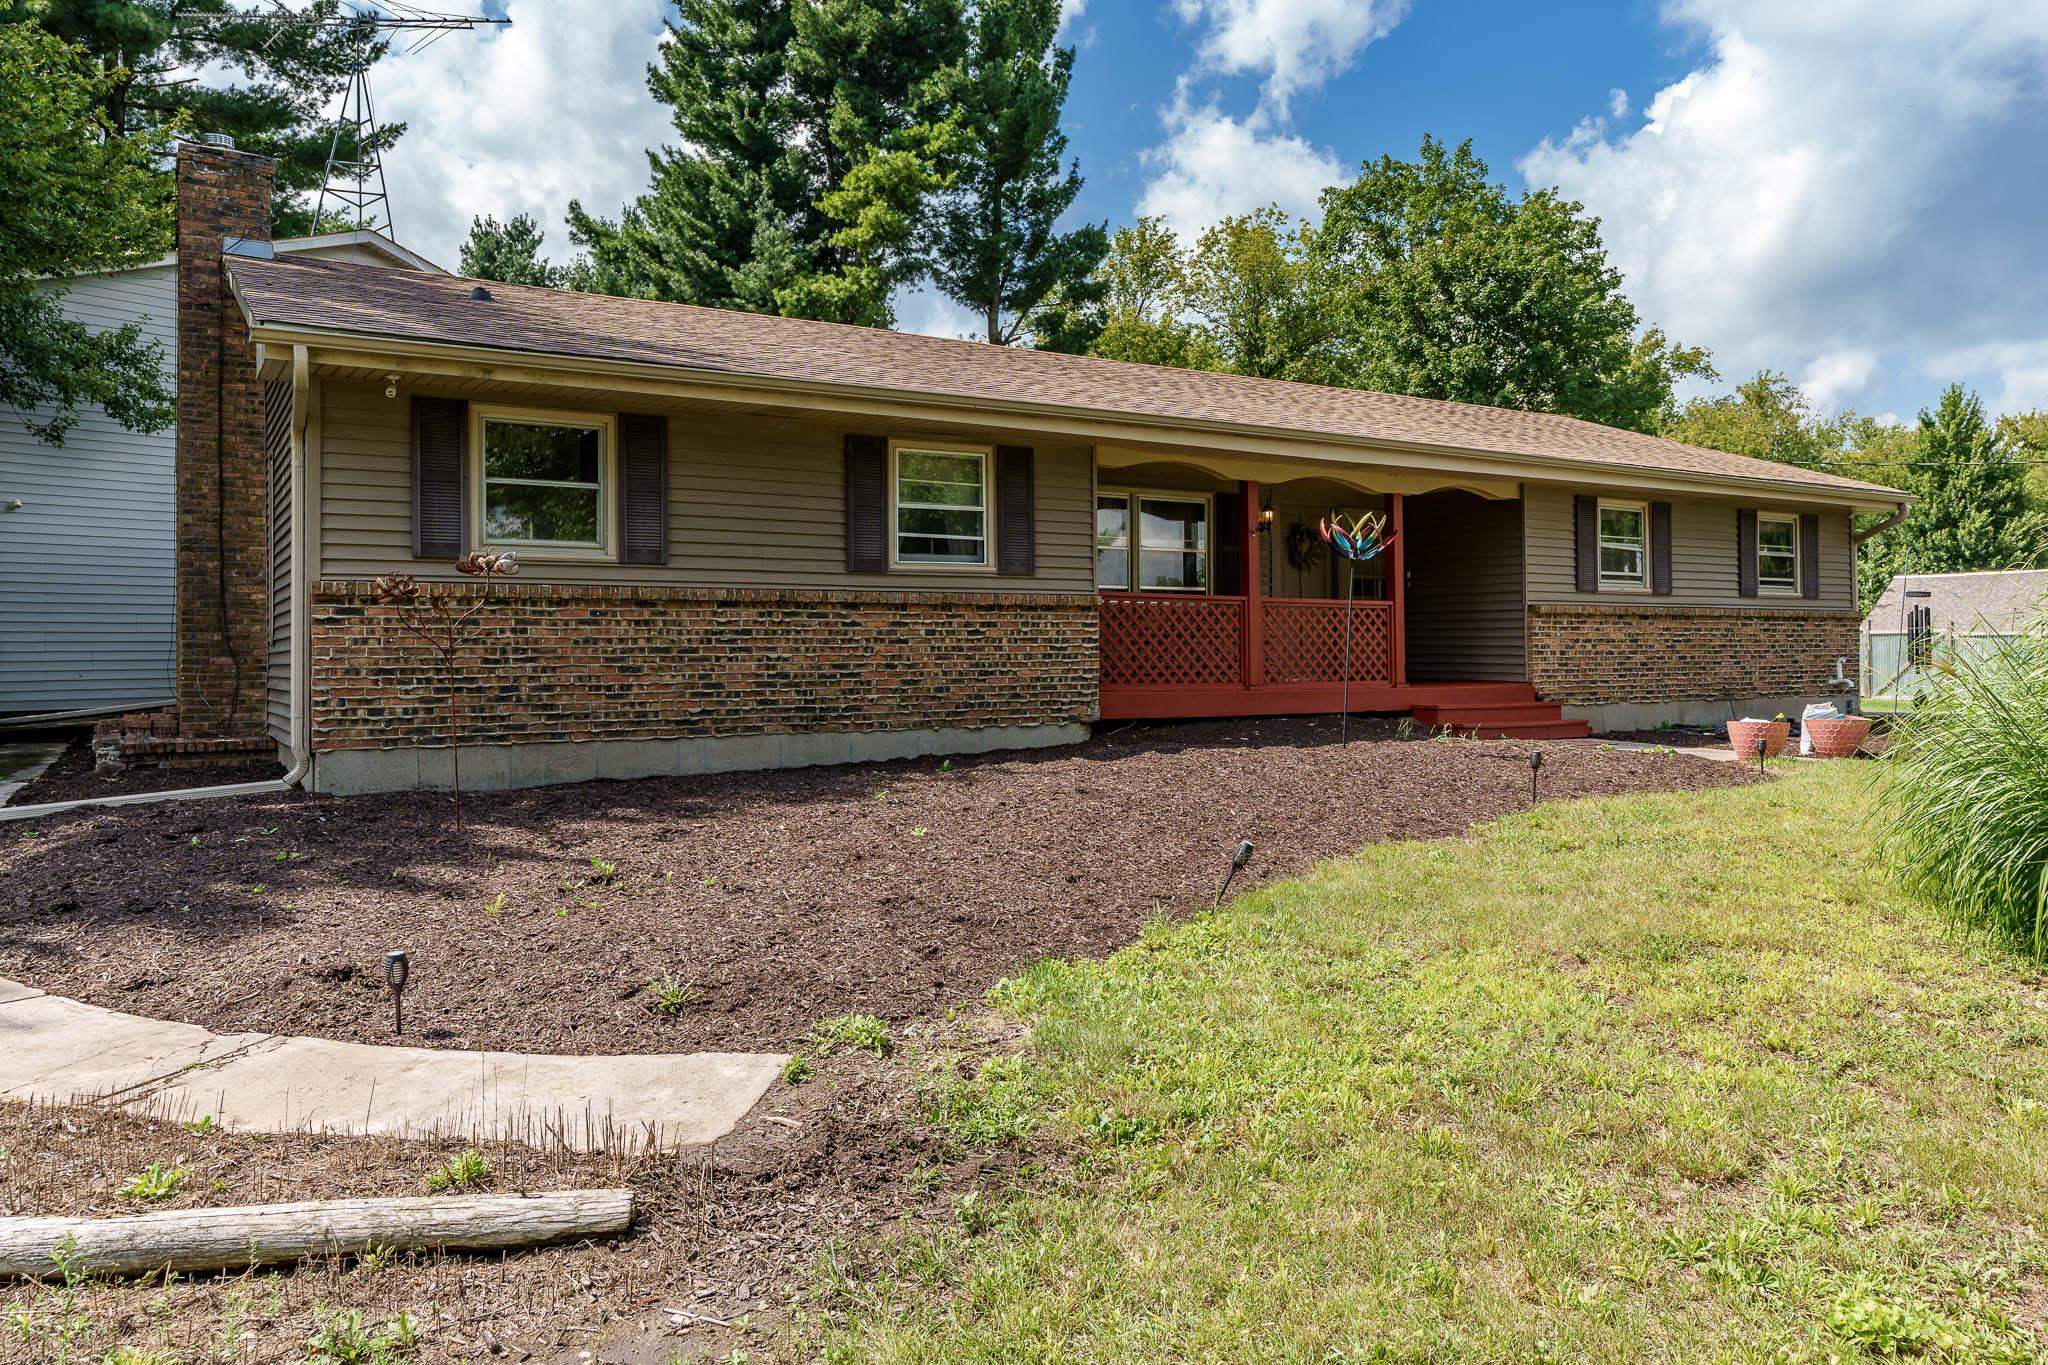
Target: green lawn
[{"x": 1668, "y": 1078}]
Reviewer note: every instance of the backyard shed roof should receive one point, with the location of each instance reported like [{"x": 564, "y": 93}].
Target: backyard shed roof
[
  {"x": 333, "y": 297},
  {"x": 1996, "y": 602}
]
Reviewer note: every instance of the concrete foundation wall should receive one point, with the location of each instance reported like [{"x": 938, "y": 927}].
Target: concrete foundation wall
[{"x": 502, "y": 767}]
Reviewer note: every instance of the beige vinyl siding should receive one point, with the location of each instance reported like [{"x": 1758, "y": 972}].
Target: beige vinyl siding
[
  {"x": 1465, "y": 612},
  {"x": 1703, "y": 552},
  {"x": 753, "y": 502}
]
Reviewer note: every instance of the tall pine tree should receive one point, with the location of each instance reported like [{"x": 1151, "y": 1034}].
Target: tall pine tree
[
  {"x": 993, "y": 245},
  {"x": 284, "y": 75},
  {"x": 775, "y": 102}
]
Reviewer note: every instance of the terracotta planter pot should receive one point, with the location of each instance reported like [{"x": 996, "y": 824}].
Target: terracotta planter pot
[
  {"x": 1743, "y": 734},
  {"x": 1837, "y": 738}
]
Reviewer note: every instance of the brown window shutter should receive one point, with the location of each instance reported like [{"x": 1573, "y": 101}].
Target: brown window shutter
[
  {"x": 1745, "y": 551},
  {"x": 1809, "y": 555},
  {"x": 1016, "y": 527},
  {"x": 643, "y": 488},
  {"x": 867, "y": 504},
  {"x": 1660, "y": 548},
  {"x": 1586, "y": 531},
  {"x": 440, "y": 449}
]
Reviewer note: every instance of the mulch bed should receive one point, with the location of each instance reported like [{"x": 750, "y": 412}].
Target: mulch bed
[
  {"x": 72, "y": 778},
  {"x": 781, "y": 898}
]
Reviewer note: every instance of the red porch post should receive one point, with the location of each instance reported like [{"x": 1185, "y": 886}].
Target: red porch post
[
  {"x": 1251, "y": 557},
  {"x": 1397, "y": 592}
]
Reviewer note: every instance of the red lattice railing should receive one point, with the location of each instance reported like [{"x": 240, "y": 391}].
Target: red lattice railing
[
  {"x": 1305, "y": 641},
  {"x": 1159, "y": 640}
]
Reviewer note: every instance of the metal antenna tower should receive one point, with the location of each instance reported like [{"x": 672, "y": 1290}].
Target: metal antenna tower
[{"x": 354, "y": 180}]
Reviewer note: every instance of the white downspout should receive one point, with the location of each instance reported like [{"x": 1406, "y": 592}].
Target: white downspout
[{"x": 301, "y": 643}]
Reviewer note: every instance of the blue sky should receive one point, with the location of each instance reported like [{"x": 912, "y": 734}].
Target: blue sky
[{"x": 1850, "y": 191}]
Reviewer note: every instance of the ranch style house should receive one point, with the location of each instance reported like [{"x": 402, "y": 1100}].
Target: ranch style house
[{"x": 750, "y": 541}]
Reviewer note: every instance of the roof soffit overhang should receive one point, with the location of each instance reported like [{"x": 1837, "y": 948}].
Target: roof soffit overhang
[{"x": 334, "y": 350}]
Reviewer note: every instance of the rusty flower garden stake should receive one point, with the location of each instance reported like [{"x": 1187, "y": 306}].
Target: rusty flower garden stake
[{"x": 448, "y": 623}]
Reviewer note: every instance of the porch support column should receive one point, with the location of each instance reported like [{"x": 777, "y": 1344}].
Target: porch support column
[
  {"x": 1251, "y": 562},
  {"x": 1397, "y": 592}
]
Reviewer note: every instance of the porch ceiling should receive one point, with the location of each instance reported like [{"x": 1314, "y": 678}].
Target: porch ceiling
[{"x": 1267, "y": 470}]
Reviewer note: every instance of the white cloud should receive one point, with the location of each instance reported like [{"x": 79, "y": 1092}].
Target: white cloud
[
  {"x": 1838, "y": 376},
  {"x": 935, "y": 315},
  {"x": 1292, "y": 45},
  {"x": 522, "y": 119},
  {"x": 1844, "y": 191},
  {"x": 1617, "y": 103},
  {"x": 1212, "y": 165}
]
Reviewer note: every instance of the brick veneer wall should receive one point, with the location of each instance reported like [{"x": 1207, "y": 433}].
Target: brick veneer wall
[
  {"x": 1592, "y": 655},
  {"x": 559, "y": 662},
  {"x": 222, "y": 622}
]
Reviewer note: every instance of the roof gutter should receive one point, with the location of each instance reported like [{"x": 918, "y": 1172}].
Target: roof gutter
[
  {"x": 1879, "y": 528},
  {"x": 683, "y": 377}
]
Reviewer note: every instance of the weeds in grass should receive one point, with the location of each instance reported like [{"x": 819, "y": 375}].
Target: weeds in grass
[
  {"x": 862, "y": 1031},
  {"x": 155, "y": 1182},
  {"x": 495, "y": 906},
  {"x": 797, "y": 1070},
  {"x": 1964, "y": 814},
  {"x": 136, "y": 1355},
  {"x": 344, "y": 1338},
  {"x": 603, "y": 870},
  {"x": 465, "y": 1170},
  {"x": 200, "y": 1126},
  {"x": 670, "y": 994},
  {"x": 919, "y": 832}
]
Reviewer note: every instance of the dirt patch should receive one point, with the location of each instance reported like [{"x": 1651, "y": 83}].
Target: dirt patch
[
  {"x": 1674, "y": 737},
  {"x": 725, "y": 1235},
  {"x": 73, "y": 778},
  {"x": 774, "y": 899}
]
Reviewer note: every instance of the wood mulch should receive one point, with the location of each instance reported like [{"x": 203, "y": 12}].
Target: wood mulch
[
  {"x": 73, "y": 778},
  {"x": 780, "y": 898}
]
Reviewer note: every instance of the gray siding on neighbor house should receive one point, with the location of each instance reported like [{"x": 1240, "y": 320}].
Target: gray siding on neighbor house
[
  {"x": 753, "y": 502},
  {"x": 87, "y": 564},
  {"x": 1466, "y": 616},
  {"x": 277, "y": 447},
  {"x": 1703, "y": 552}
]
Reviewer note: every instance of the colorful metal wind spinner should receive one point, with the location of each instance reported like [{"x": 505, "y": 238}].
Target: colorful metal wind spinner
[{"x": 1367, "y": 537}]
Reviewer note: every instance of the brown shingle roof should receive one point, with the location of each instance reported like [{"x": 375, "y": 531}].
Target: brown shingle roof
[{"x": 409, "y": 305}]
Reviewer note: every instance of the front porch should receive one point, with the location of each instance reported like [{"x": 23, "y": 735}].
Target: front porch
[{"x": 1232, "y": 647}]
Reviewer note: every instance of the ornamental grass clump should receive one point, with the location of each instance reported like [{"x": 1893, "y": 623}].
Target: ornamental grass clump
[{"x": 1964, "y": 813}]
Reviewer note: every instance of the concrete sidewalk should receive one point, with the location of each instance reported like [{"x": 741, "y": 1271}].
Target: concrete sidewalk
[{"x": 60, "y": 1050}]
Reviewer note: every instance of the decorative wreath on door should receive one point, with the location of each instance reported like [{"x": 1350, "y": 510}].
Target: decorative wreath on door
[{"x": 1305, "y": 546}]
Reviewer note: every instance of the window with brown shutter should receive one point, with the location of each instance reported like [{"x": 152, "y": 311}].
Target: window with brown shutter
[
  {"x": 1586, "y": 543},
  {"x": 1745, "y": 551},
  {"x": 1809, "y": 555},
  {"x": 643, "y": 488},
  {"x": 440, "y": 440},
  {"x": 867, "y": 504},
  {"x": 1016, "y": 529}
]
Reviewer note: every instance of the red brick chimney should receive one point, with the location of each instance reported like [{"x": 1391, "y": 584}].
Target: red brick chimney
[{"x": 223, "y": 578}]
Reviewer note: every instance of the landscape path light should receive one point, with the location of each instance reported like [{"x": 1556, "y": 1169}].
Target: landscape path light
[
  {"x": 1535, "y": 767},
  {"x": 397, "y": 967},
  {"x": 1241, "y": 856}
]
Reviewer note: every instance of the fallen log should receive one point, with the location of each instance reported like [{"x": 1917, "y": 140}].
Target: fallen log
[{"x": 264, "y": 1234}]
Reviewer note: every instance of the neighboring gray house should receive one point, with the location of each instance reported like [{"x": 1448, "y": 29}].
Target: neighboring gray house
[
  {"x": 1922, "y": 615},
  {"x": 87, "y": 544}
]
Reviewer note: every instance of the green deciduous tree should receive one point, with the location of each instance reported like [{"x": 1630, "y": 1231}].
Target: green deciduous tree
[
  {"x": 508, "y": 251},
  {"x": 74, "y": 195},
  {"x": 1136, "y": 306},
  {"x": 993, "y": 244},
  {"x": 1767, "y": 418},
  {"x": 1448, "y": 287},
  {"x": 775, "y": 103},
  {"x": 1972, "y": 510},
  {"x": 284, "y": 74}
]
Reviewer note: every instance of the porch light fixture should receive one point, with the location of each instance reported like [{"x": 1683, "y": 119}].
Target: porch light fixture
[
  {"x": 397, "y": 966},
  {"x": 1535, "y": 767},
  {"x": 391, "y": 386},
  {"x": 1238, "y": 859},
  {"x": 1265, "y": 519}
]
